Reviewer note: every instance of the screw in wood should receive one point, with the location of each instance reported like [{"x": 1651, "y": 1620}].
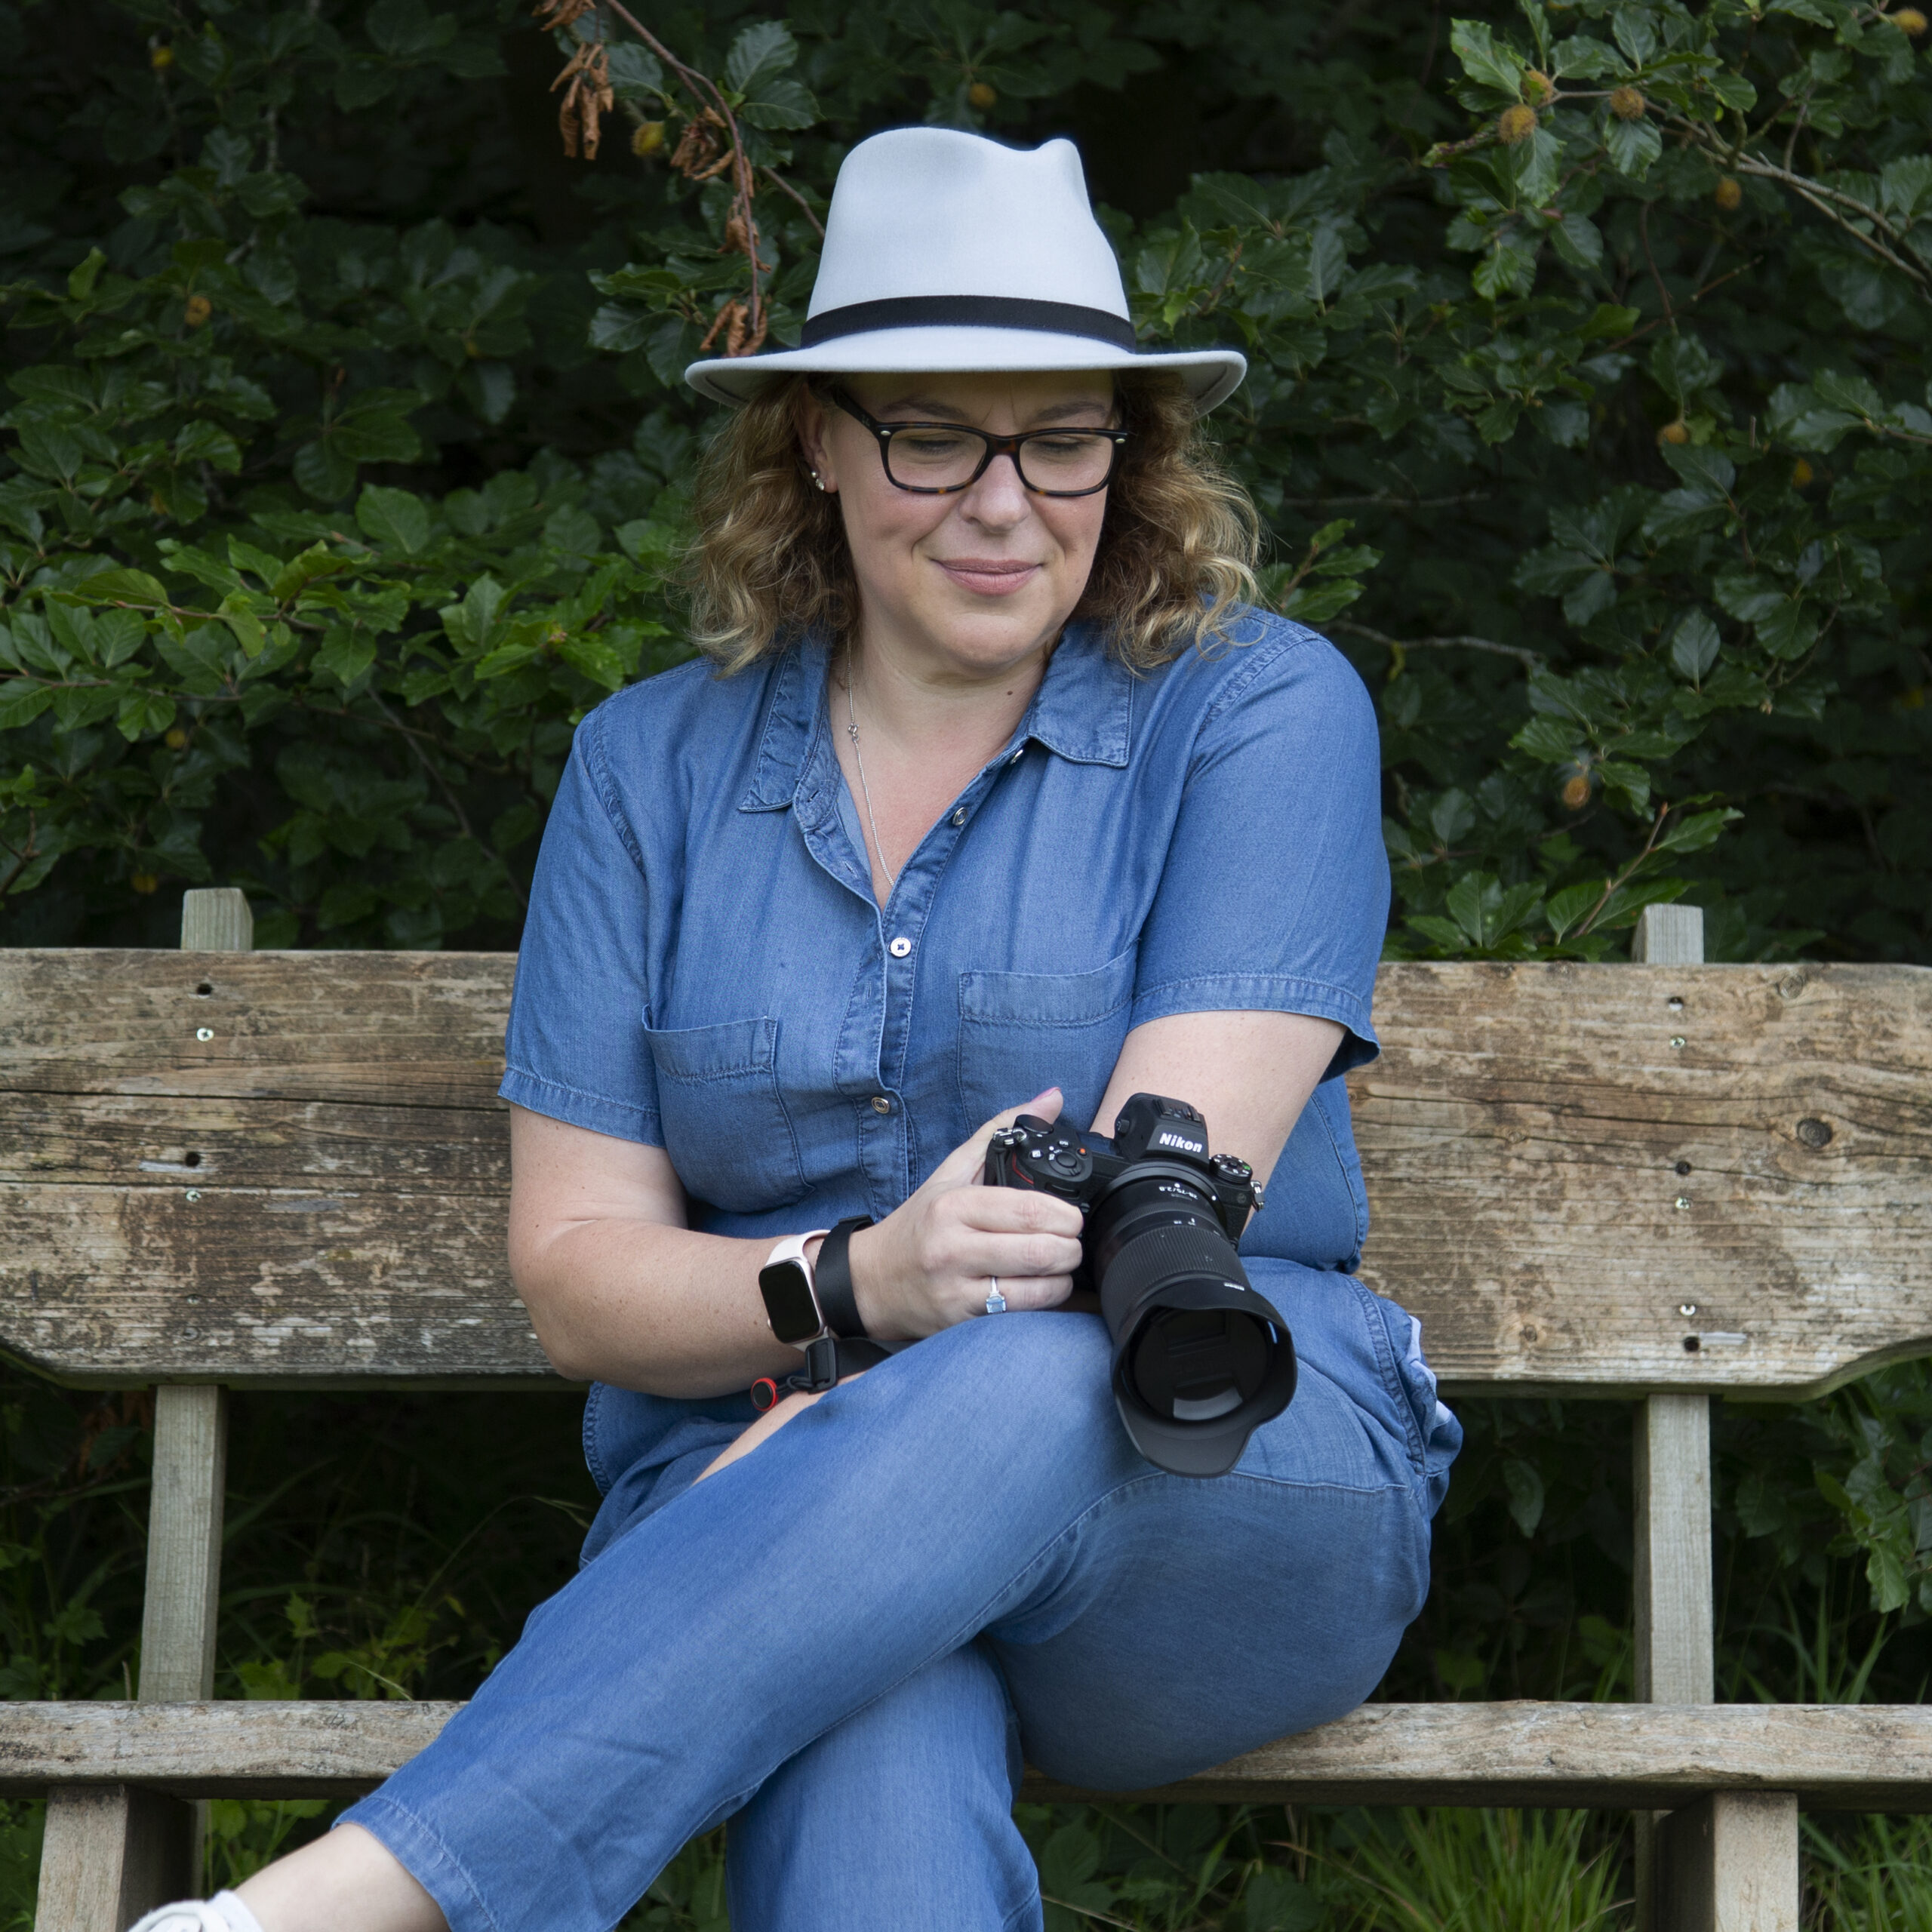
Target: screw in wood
[
  {"x": 1686, "y": 1308},
  {"x": 204, "y": 1032},
  {"x": 1677, "y": 1040},
  {"x": 1683, "y": 1201},
  {"x": 193, "y": 1194}
]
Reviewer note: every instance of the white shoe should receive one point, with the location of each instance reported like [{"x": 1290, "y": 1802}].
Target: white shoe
[{"x": 224, "y": 1912}]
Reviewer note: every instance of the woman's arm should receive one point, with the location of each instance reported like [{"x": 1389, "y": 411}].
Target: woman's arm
[
  {"x": 619, "y": 1290},
  {"x": 1250, "y": 1074}
]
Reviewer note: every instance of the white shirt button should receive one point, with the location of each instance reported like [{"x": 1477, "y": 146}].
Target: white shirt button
[
  {"x": 959, "y": 817},
  {"x": 881, "y": 1105},
  {"x": 899, "y": 947}
]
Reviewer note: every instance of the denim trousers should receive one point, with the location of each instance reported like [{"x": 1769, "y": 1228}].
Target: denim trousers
[{"x": 847, "y": 1641}]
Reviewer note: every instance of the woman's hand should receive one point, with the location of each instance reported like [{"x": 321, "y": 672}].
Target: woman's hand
[{"x": 931, "y": 1263}]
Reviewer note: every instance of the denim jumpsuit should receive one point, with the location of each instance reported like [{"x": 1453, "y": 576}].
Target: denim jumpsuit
[{"x": 847, "y": 1642}]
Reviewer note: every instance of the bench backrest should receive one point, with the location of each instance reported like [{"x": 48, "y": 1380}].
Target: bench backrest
[{"x": 284, "y": 1168}]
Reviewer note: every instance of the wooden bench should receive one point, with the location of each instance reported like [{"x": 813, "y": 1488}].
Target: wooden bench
[{"x": 1652, "y": 1183}]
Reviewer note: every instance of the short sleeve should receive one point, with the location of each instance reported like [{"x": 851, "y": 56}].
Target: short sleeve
[
  {"x": 1275, "y": 893},
  {"x": 576, "y": 1049}
]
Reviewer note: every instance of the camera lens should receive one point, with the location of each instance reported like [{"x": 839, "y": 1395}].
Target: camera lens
[
  {"x": 1196, "y": 1364},
  {"x": 1201, "y": 1360}
]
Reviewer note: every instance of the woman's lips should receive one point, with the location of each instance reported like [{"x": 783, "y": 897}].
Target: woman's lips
[{"x": 990, "y": 577}]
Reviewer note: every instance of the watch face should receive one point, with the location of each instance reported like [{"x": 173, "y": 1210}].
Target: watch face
[{"x": 788, "y": 1302}]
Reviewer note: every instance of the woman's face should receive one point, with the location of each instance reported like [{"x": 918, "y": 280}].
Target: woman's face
[{"x": 965, "y": 586}]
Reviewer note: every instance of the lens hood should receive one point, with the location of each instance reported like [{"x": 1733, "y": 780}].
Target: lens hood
[{"x": 1160, "y": 1275}]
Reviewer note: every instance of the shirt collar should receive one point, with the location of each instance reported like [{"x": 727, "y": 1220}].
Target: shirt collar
[{"x": 1083, "y": 711}]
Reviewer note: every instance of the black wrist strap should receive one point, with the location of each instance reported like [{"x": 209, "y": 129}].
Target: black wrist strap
[{"x": 831, "y": 1280}]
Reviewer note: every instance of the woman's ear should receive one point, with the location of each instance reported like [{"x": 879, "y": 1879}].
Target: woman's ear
[{"x": 812, "y": 421}]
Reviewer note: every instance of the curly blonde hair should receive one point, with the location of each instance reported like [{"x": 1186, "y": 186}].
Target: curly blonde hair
[{"x": 1176, "y": 556}]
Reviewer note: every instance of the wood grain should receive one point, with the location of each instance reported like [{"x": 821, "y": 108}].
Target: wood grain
[
  {"x": 111, "y": 1853},
  {"x": 1729, "y": 1863},
  {"x": 1522, "y": 1135},
  {"x": 187, "y": 1502},
  {"x": 1873, "y": 1757}
]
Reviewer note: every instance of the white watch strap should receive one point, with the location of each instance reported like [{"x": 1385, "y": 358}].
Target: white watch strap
[{"x": 792, "y": 1248}]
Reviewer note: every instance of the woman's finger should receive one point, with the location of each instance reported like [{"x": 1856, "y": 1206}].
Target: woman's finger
[
  {"x": 1013, "y": 1210},
  {"x": 1025, "y": 1293},
  {"x": 967, "y": 1161}
]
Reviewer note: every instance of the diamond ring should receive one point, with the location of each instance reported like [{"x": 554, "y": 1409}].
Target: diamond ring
[{"x": 996, "y": 1301}]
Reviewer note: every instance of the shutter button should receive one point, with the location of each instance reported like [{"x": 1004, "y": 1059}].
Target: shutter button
[{"x": 899, "y": 947}]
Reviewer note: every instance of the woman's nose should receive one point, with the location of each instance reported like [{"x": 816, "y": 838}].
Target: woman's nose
[{"x": 999, "y": 498}]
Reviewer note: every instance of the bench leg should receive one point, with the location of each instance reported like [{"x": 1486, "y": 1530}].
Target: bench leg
[
  {"x": 112, "y": 1853},
  {"x": 1728, "y": 1863}
]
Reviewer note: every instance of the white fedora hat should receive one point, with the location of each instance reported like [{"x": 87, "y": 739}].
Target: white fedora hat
[{"x": 945, "y": 251}]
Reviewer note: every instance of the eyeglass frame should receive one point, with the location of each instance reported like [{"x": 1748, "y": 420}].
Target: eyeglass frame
[{"x": 996, "y": 447}]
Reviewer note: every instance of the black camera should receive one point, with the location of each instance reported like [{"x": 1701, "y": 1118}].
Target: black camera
[{"x": 1201, "y": 1360}]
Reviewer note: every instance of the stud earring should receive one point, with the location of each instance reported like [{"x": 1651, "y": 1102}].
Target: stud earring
[{"x": 818, "y": 481}]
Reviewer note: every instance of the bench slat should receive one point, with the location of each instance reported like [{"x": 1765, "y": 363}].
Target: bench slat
[
  {"x": 1523, "y": 1133},
  {"x": 1835, "y": 1756}
]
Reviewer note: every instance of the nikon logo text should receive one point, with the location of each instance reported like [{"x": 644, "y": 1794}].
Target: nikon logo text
[{"x": 1186, "y": 1142}]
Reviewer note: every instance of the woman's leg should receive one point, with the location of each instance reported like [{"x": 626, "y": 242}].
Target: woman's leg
[
  {"x": 899, "y": 1819},
  {"x": 974, "y": 1483}
]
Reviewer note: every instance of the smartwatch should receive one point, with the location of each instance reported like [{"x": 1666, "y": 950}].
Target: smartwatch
[{"x": 791, "y": 1298}]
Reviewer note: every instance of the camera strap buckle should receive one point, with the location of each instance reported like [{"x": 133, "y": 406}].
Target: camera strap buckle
[{"x": 828, "y": 1360}]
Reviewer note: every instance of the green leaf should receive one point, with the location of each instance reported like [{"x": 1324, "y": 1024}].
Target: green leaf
[
  {"x": 81, "y": 279},
  {"x": 1746, "y": 596},
  {"x": 1789, "y": 630},
  {"x": 1274, "y": 1900},
  {"x": 22, "y": 699},
  {"x": 396, "y": 518},
  {"x": 1633, "y": 145},
  {"x": 121, "y": 586},
  {"x": 1576, "y": 239},
  {"x": 781, "y": 103},
  {"x": 1491, "y": 64},
  {"x": 346, "y": 656},
  {"x": 144, "y": 714},
  {"x": 1524, "y": 1483},
  {"x": 1607, "y": 322},
  {"x": 762, "y": 50},
  {"x": 635, "y": 72},
  {"x": 1563, "y": 908},
  {"x": 240, "y": 618},
  {"x": 1852, "y": 394},
  {"x": 1694, "y": 646}
]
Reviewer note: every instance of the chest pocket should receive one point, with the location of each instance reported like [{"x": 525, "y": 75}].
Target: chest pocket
[
  {"x": 725, "y": 1126},
  {"x": 1021, "y": 1032}
]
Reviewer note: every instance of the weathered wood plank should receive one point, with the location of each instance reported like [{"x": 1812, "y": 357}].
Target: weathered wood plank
[
  {"x": 1871, "y": 1757},
  {"x": 110, "y": 1286},
  {"x": 186, "y": 1503},
  {"x": 1729, "y": 1863},
  {"x": 111, "y": 1852},
  {"x": 1528, "y": 1135},
  {"x": 416, "y": 1030},
  {"x": 1530, "y": 1131}
]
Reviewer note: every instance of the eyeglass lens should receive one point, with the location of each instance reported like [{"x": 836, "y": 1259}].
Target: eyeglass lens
[{"x": 939, "y": 459}]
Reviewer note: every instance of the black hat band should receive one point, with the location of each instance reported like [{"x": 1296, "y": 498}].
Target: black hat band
[{"x": 982, "y": 312}]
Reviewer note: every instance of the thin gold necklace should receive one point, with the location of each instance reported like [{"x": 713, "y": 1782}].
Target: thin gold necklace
[{"x": 864, "y": 790}]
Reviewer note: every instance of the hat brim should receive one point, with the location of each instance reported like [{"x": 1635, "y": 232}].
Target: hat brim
[{"x": 1210, "y": 375}]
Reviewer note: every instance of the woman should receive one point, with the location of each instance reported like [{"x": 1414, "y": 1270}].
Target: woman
[{"x": 993, "y": 785}]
